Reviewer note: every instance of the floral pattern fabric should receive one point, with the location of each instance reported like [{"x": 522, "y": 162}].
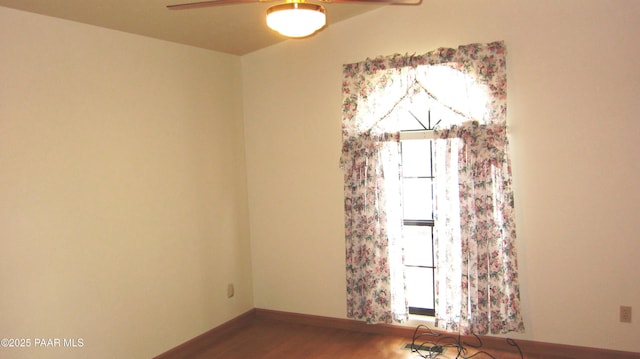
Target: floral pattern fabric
[
  {"x": 372, "y": 91},
  {"x": 481, "y": 294},
  {"x": 373, "y": 251},
  {"x": 370, "y": 88}
]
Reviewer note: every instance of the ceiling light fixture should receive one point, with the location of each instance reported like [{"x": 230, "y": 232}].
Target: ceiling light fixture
[{"x": 296, "y": 19}]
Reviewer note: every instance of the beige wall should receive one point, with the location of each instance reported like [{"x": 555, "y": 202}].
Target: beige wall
[
  {"x": 574, "y": 112},
  {"x": 123, "y": 205}
]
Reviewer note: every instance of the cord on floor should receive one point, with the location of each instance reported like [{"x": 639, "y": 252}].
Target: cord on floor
[{"x": 431, "y": 345}]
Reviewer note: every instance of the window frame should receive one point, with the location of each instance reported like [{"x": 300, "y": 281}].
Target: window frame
[{"x": 425, "y": 134}]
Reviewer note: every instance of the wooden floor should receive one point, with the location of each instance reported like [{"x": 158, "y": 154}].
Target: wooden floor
[
  {"x": 265, "y": 339},
  {"x": 268, "y": 334}
]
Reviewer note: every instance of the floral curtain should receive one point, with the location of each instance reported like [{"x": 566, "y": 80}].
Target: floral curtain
[
  {"x": 474, "y": 235},
  {"x": 372, "y": 194},
  {"x": 374, "y": 92},
  {"x": 373, "y": 229}
]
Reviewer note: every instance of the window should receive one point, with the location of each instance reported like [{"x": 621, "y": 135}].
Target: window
[
  {"x": 416, "y": 121},
  {"x": 418, "y": 225},
  {"x": 418, "y": 216}
]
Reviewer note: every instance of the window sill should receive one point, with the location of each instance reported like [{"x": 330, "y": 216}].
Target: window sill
[{"x": 415, "y": 320}]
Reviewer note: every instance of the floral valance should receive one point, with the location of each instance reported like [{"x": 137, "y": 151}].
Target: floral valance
[{"x": 369, "y": 85}]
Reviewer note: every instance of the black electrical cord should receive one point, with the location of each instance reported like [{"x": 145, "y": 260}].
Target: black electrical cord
[
  {"x": 514, "y": 344},
  {"x": 431, "y": 345}
]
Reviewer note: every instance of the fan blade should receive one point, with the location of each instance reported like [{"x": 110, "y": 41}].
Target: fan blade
[
  {"x": 392, "y": 2},
  {"x": 201, "y": 4}
]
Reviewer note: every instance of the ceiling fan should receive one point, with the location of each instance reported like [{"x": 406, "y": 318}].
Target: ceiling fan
[{"x": 293, "y": 18}]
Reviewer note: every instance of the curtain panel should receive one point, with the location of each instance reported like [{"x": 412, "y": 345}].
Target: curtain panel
[
  {"x": 477, "y": 288},
  {"x": 373, "y": 229},
  {"x": 374, "y": 91}
]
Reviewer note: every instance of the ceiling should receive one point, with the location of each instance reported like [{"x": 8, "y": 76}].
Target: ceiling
[{"x": 234, "y": 29}]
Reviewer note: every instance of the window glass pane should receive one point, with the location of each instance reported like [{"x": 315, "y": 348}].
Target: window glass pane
[
  {"x": 416, "y": 158},
  {"x": 420, "y": 287},
  {"x": 417, "y": 246},
  {"x": 408, "y": 123},
  {"x": 417, "y": 198}
]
